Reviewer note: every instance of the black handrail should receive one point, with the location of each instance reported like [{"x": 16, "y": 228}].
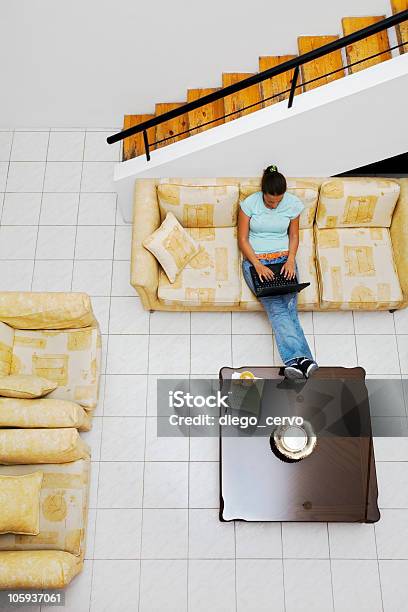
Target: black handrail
[{"x": 297, "y": 61}]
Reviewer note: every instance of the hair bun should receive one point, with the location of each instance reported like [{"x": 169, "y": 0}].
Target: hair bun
[{"x": 272, "y": 168}]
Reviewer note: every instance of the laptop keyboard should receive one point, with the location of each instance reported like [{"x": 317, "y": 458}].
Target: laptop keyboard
[{"x": 276, "y": 281}]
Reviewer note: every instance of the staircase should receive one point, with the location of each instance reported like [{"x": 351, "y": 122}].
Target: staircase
[
  {"x": 348, "y": 111},
  {"x": 267, "y": 93}
]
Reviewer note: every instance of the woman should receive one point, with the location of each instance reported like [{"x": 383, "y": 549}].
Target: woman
[{"x": 268, "y": 232}]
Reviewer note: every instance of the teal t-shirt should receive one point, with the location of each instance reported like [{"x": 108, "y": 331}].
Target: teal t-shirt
[{"x": 268, "y": 227}]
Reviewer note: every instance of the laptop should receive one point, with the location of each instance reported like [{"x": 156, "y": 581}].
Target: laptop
[{"x": 278, "y": 285}]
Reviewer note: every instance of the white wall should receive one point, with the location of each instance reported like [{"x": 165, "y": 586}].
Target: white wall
[{"x": 84, "y": 63}]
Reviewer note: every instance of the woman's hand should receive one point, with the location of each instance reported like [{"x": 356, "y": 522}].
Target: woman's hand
[
  {"x": 288, "y": 269},
  {"x": 264, "y": 272}
]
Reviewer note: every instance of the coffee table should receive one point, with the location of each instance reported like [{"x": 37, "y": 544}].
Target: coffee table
[{"x": 337, "y": 482}]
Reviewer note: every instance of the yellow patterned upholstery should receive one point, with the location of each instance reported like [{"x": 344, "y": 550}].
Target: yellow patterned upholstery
[
  {"x": 357, "y": 202},
  {"x": 22, "y": 446},
  {"x": 37, "y": 569},
  {"x": 308, "y": 298},
  {"x": 212, "y": 276},
  {"x": 63, "y": 508},
  {"x": 20, "y": 503},
  {"x": 30, "y": 310},
  {"x": 37, "y": 413},
  {"x": 306, "y": 191},
  {"x": 356, "y": 269},
  {"x": 156, "y": 294},
  {"x": 71, "y": 358},
  {"x": 198, "y": 205},
  {"x": 25, "y": 386},
  {"x": 172, "y": 246},
  {"x": 6, "y": 348}
]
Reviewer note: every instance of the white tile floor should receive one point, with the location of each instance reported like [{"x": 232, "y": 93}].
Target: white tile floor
[{"x": 154, "y": 540}]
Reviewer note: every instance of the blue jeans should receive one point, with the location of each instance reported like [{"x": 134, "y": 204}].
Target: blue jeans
[{"x": 283, "y": 316}]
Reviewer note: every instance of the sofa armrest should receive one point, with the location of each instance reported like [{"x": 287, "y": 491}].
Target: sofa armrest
[
  {"x": 37, "y": 569},
  {"x": 146, "y": 219},
  {"x": 30, "y": 310},
  {"x": 399, "y": 238}
]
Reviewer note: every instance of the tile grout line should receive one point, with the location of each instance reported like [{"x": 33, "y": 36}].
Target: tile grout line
[
  {"x": 144, "y": 469},
  {"x": 330, "y": 565},
  {"x": 103, "y": 372},
  {"x": 283, "y": 567},
  {"x": 39, "y": 216}
]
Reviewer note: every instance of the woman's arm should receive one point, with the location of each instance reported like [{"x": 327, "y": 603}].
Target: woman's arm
[
  {"x": 246, "y": 249},
  {"x": 288, "y": 268}
]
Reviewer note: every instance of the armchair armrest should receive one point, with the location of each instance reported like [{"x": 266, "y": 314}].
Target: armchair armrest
[
  {"x": 399, "y": 238},
  {"x": 29, "y": 310},
  {"x": 146, "y": 219}
]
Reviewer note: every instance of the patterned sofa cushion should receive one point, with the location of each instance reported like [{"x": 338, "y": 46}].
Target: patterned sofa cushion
[
  {"x": 70, "y": 358},
  {"x": 357, "y": 202},
  {"x": 44, "y": 412},
  {"x": 307, "y": 192},
  {"x": 22, "y": 446},
  {"x": 200, "y": 205},
  {"x": 6, "y": 348},
  {"x": 20, "y": 503},
  {"x": 356, "y": 269},
  {"x": 57, "y": 310},
  {"x": 63, "y": 508},
  {"x": 37, "y": 569},
  {"x": 211, "y": 277},
  {"x": 172, "y": 246},
  {"x": 308, "y": 298}
]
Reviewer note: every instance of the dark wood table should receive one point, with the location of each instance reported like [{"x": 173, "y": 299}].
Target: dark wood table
[{"x": 337, "y": 482}]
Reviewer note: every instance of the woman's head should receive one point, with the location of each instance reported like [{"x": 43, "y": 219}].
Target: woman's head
[{"x": 273, "y": 186}]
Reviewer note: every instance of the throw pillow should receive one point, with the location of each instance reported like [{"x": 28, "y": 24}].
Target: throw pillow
[
  {"x": 20, "y": 503},
  {"x": 172, "y": 246}
]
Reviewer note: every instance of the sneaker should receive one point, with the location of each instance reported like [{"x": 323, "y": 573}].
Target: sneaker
[
  {"x": 294, "y": 371},
  {"x": 307, "y": 366}
]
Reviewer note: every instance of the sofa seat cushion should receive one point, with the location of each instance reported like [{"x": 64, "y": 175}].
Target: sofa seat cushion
[
  {"x": 71, "y": 358},
  {"x": 211, "y": 277},
  {"x": 356, "y": 269},
  {"x": 308, "y": 298},
  {"x": 306, "y": 191},
  {"x": 200, "y": 205},
  {"x": 357, "y": 202},
  {"x": 63, "y": 507}
]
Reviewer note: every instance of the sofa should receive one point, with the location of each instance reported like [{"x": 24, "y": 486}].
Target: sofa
[
  {"x": 50, "y": 558},
  {"x": 54, "y": 336},
  {"x": 353, "y": 246}
]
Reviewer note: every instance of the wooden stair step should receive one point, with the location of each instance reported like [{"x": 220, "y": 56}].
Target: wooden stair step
[
  {"x": 134, "y": 145},
  {"x": 173, "y": 127},
  {"x": 209, "y": 112},
  {"x": 368, "y": 46},
  {"x": 323, "y": 65},
  {"x": 279, "y": 83},
  {"x": 402, "y": 28},
  {"x": 239, "y": 100}
]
